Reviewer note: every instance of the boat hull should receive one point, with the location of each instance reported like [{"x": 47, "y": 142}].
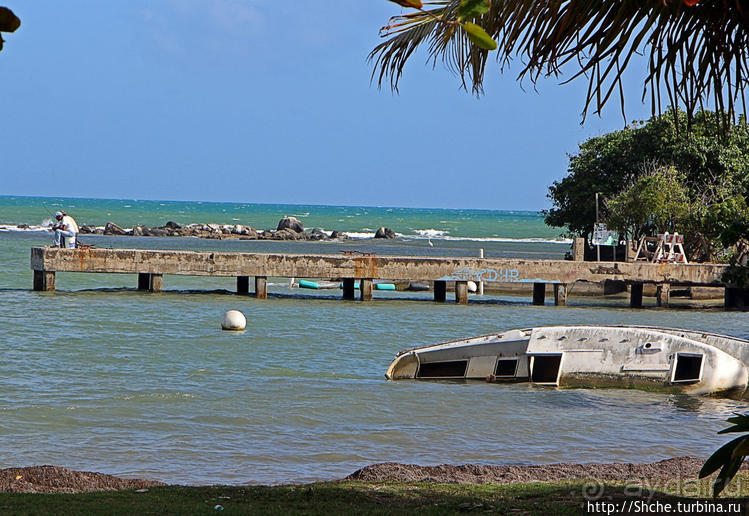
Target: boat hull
[{"x": 592, "y": 356}]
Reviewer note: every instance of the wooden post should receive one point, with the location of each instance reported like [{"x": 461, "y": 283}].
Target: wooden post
[
  {"x": 44, "y": 281},
  {"x": 560, "y": 294},
  {"x": 349, "y": 285},
  {"x": 461, "y": 292},
  {"x": 635, "y": 295},
  {"x": 440, "y": 291},
  {"x": 539, "y": 293},
  {"x": 243, "y": 284},
  {"x": 663, "y": 294},
  {"x": 365, "y": 287},
  {"x": 144, "y": 281},
  {"x": 578, "y": 249},
  {"x": 156, "y": 283},
  {"x": 261, "y": 287}
]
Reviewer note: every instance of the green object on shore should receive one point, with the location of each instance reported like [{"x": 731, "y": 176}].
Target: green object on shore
[
  {"x": 384, "y": 286},
  {"x": 308, "y": 284}
]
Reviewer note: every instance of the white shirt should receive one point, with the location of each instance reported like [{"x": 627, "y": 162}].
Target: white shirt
[{"x": 70, "y": 224}]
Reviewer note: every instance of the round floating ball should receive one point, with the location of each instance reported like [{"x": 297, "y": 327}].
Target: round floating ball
[
  {"x": 472, "y": 287},
  {"x": 233, "y": 320}
]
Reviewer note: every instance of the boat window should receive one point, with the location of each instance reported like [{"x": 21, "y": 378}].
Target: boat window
[
  {"x": 452, "y": 369},
  {"x": 688, "y": 368},
  {"x": 545, "y": 368},
  {"x": 506, "y": 367}
]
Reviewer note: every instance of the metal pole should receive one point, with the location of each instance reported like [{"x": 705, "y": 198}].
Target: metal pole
[
  {"x": 598, "y": 244},
  {"x": 481, "y": 283}
]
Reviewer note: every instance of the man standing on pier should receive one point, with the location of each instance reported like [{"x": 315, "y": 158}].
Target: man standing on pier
[{"x": 66, "y": 230}]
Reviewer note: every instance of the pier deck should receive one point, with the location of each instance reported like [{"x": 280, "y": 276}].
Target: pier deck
[{"x": 151, "y": 265}]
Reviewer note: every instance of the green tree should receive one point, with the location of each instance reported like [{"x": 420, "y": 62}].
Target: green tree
[
  {"x": 655, "y": 203},
  {"x": 696, "y": 50},
  {"x": 714, "y": 168}
]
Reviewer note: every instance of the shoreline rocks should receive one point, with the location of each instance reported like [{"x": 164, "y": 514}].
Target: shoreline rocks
[
  {"x": 384, "y": 232},
  {"x": 289, "y": 228}
]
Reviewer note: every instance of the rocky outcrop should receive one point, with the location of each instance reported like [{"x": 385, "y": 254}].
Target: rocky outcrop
[
  {"x": 384, "y": 232},
  {"x": 292, "y": 223},
  {"x": 212, "y": 231},
  {"x": 113, "y": 229}
]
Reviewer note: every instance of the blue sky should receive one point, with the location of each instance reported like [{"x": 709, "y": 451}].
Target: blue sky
[{"x": 270, "y": 102}]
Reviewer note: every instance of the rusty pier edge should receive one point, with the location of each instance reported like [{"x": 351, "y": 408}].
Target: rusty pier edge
[{"x": 151, "y": 265}]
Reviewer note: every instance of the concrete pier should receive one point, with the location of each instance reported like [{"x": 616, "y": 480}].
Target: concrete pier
[{"x": 151, "y": 266}]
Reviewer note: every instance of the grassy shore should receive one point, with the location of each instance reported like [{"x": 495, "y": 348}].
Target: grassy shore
[{"x": 347, "y": 497}]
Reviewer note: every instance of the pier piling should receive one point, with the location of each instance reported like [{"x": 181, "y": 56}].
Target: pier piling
[
  {"x": 560, "y": 294},
  {"x": 461, "y": 292},
  {"x": 144, "y": 280},
  {"x": 539, "y": 293},
  {"x": 635, "y": 295},
  {"x": 44, "y": 281},
  {"x": 243, "y": 284},
  {"x": 440, "y": 291},
  {"x": 365, "y": 287},
  {"x": 663, "y": 295},
  {"x": 349, "y": 287},
  {"x": 261, "y": 287},
  {"x": 149, "y": 282}
]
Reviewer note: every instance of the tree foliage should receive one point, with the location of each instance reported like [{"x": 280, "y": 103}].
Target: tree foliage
[
  {"x": 655, "y": 203},
  {"x": 9, "y": 22},
  {"x": 713, "y": 169},
  {"x": 696, "y": 50}
]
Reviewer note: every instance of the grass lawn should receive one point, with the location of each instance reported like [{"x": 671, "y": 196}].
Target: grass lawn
[{"x": 358, "y": 497}]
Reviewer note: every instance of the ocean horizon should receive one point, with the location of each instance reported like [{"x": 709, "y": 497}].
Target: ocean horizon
[{"x": 35, "y": 213}]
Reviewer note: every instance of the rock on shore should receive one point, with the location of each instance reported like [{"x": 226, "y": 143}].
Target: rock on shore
[
  {"x": 289, "y": 228},
  {"x": 384, "y": 232},
  {"x": 55, "y": 479},
  {"x": 680, "y": 467}
]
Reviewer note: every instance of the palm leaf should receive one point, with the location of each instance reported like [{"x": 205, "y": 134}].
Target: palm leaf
[
  {"x": 694, "y": 55},
  {"x": 721, "y": 457}
]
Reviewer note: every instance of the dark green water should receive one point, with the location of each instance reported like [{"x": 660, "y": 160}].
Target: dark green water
[{"x": 98, "y": 376}]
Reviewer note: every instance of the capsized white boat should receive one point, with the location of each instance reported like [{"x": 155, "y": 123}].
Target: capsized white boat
[{"x": 625, "y": 356}]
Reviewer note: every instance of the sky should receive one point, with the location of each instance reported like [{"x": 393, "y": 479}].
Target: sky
[{"x": 264, "y": 101}]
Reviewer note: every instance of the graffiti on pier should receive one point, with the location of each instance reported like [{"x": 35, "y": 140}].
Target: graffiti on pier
[
  {"x": 500, "y": 275},
  {"x": 486, "y": 275}
]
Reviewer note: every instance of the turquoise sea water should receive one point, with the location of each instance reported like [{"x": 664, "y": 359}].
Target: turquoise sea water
[
  {"x": 98, "y": 376},
  {"x": 360, "y": 221}
]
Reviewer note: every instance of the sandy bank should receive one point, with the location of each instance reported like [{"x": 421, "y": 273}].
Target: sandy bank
[{"x": 55, "y": 479}]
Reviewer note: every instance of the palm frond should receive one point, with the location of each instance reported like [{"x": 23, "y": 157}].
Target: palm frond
[{"x": 695, "y": 55}]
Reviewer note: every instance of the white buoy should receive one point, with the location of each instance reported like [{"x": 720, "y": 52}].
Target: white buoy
[
  {"x": 472, "y": 286},
  {"x": 233, "y": 320}
]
